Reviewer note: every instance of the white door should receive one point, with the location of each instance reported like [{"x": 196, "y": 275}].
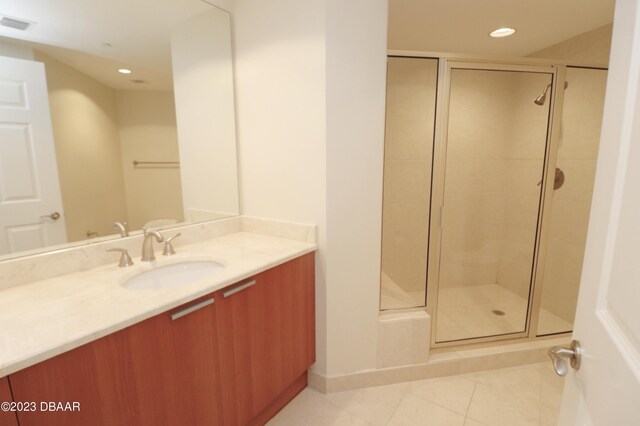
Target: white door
[
  {"x": 29, "y": 185},
  {"x": 606, "y": 388}
]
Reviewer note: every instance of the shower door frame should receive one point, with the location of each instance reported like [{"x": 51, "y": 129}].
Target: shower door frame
[{"x": 446, "y": 65}]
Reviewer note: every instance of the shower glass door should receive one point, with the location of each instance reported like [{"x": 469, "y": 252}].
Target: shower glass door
[{"x": 496, "y": 133}]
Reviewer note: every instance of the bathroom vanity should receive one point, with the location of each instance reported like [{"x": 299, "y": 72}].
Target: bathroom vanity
[{"x": 233, "y": 354}]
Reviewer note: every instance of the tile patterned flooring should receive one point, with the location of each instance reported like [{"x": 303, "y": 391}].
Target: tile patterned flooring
[
  {"x": 524, "y": 395},
  {"x": 465, "y": 312}
]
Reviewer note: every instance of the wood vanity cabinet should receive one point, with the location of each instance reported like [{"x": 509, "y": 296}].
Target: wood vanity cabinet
[
  {"x": 7, "y": 418},
  {"x": 157, "y": 372},
  {"x": 266, "y": 329},
  {"x": 233, "y": 362}
]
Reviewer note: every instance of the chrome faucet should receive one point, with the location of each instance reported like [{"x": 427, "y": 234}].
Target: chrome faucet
[
  {"x": 122, "y": 228},
  {"x": 147, "y": 244}
]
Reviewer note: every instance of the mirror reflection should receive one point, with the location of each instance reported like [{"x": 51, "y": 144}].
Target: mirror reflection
[
  {"x": 116, "y": 151},
  {"x": 102, "y": 145}
]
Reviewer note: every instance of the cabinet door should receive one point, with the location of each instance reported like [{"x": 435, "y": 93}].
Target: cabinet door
[
  {"x": 264, "y": 329},
  {"x": 175, "y": 367},
  {"x": 7, "y": 418},
  {"x": 158, "y": 372}
]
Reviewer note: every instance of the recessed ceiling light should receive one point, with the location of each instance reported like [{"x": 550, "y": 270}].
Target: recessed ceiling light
[
  {"x": 124, "y": 71},
  {"x": 502, "y": 32}
]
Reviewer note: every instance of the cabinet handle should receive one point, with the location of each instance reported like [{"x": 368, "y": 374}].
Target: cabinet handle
[
  {"x": 192, "y": 308},
  {"x": 239, "y": 288}
]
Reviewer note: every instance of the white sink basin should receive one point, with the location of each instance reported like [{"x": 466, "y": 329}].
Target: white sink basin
[{"x": 174, "y": 275}]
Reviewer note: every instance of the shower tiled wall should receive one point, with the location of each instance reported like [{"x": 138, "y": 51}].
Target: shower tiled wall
[
  {"x": 475, "y": 177},
  {"x": 577, "y": 153},
  {"x": 495, "y": 152},
  {"x": 411, "y": 94},
  {"x": 494, "y": 160},
  {"x": 495, "y": 157},
  {"x": 524, "y": 171}
]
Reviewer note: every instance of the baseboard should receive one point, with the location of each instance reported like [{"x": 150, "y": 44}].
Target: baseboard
[
  {"x": 281, "y": 401},
  {"x": 440, "y": 365}
]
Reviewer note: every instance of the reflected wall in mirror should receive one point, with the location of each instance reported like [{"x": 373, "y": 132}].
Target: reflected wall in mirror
[{"x": 83, "y": 145}]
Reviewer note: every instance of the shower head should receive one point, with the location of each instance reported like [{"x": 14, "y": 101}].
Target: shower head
[{"x": 542, "y": 97}]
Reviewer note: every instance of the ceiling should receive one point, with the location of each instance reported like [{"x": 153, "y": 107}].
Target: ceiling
[
  {"x": 463, "y": 26},
  {"x": 99, "y": 36}
]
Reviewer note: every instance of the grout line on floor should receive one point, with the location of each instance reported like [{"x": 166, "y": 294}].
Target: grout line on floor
[
  {"x": 404, "y": 395},
  {"x": 438, "y": 404},
  {"x": 466, "y": 413}
]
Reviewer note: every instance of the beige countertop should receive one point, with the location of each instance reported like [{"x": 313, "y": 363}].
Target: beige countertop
[{"x": 45, "y": 318}]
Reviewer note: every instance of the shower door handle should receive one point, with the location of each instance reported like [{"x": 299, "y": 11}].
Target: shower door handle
[{"x": 559, "y": 356}]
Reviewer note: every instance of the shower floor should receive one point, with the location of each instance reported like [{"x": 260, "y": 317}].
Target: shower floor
[{"x": 467, "y": 312}]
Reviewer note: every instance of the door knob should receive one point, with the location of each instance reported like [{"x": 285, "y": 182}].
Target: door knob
[
  {"x": 559, "y": 356},
  {"x": 52, "y": 216}
]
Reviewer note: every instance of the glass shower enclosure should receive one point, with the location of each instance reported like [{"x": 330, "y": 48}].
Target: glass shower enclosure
[{"x": 485, "y": 163}]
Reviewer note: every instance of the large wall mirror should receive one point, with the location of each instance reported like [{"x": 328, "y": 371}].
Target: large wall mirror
[{"x": 113, "y": 111}]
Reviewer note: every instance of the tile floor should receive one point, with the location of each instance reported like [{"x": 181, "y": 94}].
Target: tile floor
[
  {"x": 517, "y": 396},
  {"x": 465, "y": 312}
]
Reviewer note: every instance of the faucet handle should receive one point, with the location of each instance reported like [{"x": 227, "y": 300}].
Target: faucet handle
[
  {"x": 168, "y": 247},
  {"x": 125, "y": 259}
]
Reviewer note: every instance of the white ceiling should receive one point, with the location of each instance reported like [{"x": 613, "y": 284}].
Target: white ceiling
[
  {"x": 462, "y": 26},
  {"x": 137, "y": 30}
]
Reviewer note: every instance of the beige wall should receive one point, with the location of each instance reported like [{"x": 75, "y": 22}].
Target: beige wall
[
  {"x": 205, "y": 109},
  {"x": 83, "y": 114},
  {"x": 147, "y": 126},
  {"x": 13, "y": 49},
  {"x": 592, "y": 47},
  {"x": 571, "y": 204},
  {"x": 475, "y": 181},
  {"x": 222, "y": 4},
  {"x": 355, "y": 87},
  {"x": 411, "y": 101},
  {"x": 98, "y": 133},
  {"x": 310, "y": 80},
  {"x": 280, "y": 97}
]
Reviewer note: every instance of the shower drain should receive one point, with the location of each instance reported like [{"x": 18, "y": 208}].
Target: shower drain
[{"x": 498, "y": 312}]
